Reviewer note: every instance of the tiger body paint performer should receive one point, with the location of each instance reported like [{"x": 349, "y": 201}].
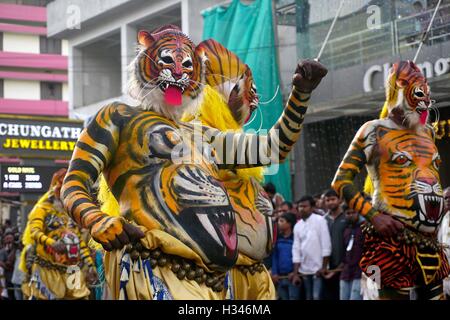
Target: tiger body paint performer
[
  {"x": 53, "y": 245},
  {"x": 230, "y": 111},
  {"x": 176, "y": 234},
  {"x": 402, "y": 161}
]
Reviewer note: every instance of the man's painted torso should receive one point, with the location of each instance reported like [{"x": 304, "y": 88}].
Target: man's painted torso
[
  {"x": 161, "y": 181},
  {"x": 406, "y": 181}
]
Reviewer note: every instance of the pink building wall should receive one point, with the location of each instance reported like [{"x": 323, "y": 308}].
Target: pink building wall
[{"x": 42, "y": 63}]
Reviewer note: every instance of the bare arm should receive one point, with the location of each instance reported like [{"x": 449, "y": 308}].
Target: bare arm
[
  {"x": 240, "y": 150},
  {"x": 354, "y": 160},
  {"x": 94, "y": 150},
  {"x": 343, "y": 183},
  {"x": 37, "y": 225}
]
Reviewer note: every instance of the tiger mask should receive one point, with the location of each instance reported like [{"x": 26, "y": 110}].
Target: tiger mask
[
  {"x": 165, "y": 75},
  {"x": 226, "y": 73},
  {"x": 408, "y": 95}
]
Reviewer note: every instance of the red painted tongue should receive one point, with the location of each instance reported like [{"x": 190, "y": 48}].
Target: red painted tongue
[
  {"x": 173, "y": 96},
  {"x": 229, "y": 235},
  {"x": 423, "y": 117}
]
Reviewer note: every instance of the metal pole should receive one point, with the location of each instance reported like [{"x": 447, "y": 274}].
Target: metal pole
[
  {"x": 329, "y": 31},
  {"x": 426, "y": 32}
]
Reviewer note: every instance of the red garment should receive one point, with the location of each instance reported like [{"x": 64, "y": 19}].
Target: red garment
[{"x": 398, "y": 263}]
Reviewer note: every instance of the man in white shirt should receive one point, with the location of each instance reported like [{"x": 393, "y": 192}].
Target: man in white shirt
[
  {"x": 444, "y": 235},
  {"x": 311, "y": 249}
]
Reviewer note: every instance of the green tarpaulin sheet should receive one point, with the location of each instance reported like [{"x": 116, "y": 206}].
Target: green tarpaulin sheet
[{"x": 248, "y": 30}]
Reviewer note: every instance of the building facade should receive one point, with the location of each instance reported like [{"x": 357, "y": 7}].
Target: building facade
[
  {"x": 369, "y": 36},
  {"x": 102, "y": 41},
  {"x": 36, "y": 136}
]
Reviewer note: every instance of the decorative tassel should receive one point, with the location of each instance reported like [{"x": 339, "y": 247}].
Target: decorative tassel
[
  {"x": 137, "y": 266},
  {"x": 124, "y": 275},
  {"x": 122, "y": 294},
  {"x": 229, "y": 288}
]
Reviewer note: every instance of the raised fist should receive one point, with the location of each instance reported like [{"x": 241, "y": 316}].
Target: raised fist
[
  {"x": 308, "y": 75},
  {"x": 115, "y": 232}
]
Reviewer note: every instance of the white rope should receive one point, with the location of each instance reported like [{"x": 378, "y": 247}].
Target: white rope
[
  {"x": 274, "y": 96},
  {"x": 330, "y": 30},
  {"x": 426, "y": 32}
]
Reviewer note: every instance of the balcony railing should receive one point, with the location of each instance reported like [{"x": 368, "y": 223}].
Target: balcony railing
[{"x": 389, "y": 39}]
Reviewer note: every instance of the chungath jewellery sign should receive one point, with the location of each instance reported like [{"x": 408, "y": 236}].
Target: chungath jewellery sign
[
  {"x": 430, "y": 69},
  {"x": 39, "y": 137}
]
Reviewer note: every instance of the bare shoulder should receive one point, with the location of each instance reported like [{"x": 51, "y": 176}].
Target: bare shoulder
[
  {"x": 370, "y": 127},
  {"x": 121, "y": 108}
]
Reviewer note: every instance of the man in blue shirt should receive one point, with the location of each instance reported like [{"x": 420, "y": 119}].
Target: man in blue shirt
[{"x": 282, "y": 258}]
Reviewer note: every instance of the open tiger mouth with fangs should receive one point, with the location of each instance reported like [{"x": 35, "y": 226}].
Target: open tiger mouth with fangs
[
  {"x": 72, "y": 251},
  {"x": 422, "y": 110},
  {"x": 218, "y": 222},
  {"x": 164, "y": 85},
  {"x": 419, "y": 110},
  {"x": 173, "y": 92},
  {"x": 431, "y": 207}
]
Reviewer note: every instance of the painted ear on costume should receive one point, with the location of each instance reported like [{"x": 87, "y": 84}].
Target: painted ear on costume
[
  {"x": 145, "y": 38},
  {"x": 199, "y": 61},
  {"x": 203, "y": 56},
  {"x": 402, "y": 83},
  {"x": 217, "y": 57},
  {"x": 381, "y": 131}
]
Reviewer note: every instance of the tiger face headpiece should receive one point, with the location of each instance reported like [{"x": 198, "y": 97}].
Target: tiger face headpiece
[
  {"x": 165, "y": 75},
  {"x": 231, "y": 77},
  {"x": 408, "y": 94}
]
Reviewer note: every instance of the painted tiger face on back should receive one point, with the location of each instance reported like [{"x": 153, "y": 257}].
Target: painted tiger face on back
[
  {"x": 253, "y": 215},
  {"x": 408, "y": 178},
  {"x": 408, "y": 94},
  {"x": 172, "y": 184},
  {"x": 165, "y": 75}
]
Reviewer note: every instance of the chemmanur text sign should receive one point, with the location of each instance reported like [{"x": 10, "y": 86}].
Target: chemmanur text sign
[
  {"x": 39, "y": 137},
  {"x": 430, "y": 69}
]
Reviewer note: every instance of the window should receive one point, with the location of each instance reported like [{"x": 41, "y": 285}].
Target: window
[
  {"x": 49, "y": 45},
  {"x": 1, "y": 41},
  {"x": 51, "y": 91},
  {"x": 1, "y": 88}
]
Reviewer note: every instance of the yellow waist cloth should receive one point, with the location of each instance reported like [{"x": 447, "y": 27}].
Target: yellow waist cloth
[
  {"x": 247, "y": 286},
  {"x": 136, "y": 283},
  {"x": 50, "y": 284}
]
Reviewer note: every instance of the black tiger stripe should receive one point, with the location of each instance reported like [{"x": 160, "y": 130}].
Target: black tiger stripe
[
  {"x": 100, "y": 135},
  {"x": 86, "y": 166},
  {"x": 92, "y": 150}
]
